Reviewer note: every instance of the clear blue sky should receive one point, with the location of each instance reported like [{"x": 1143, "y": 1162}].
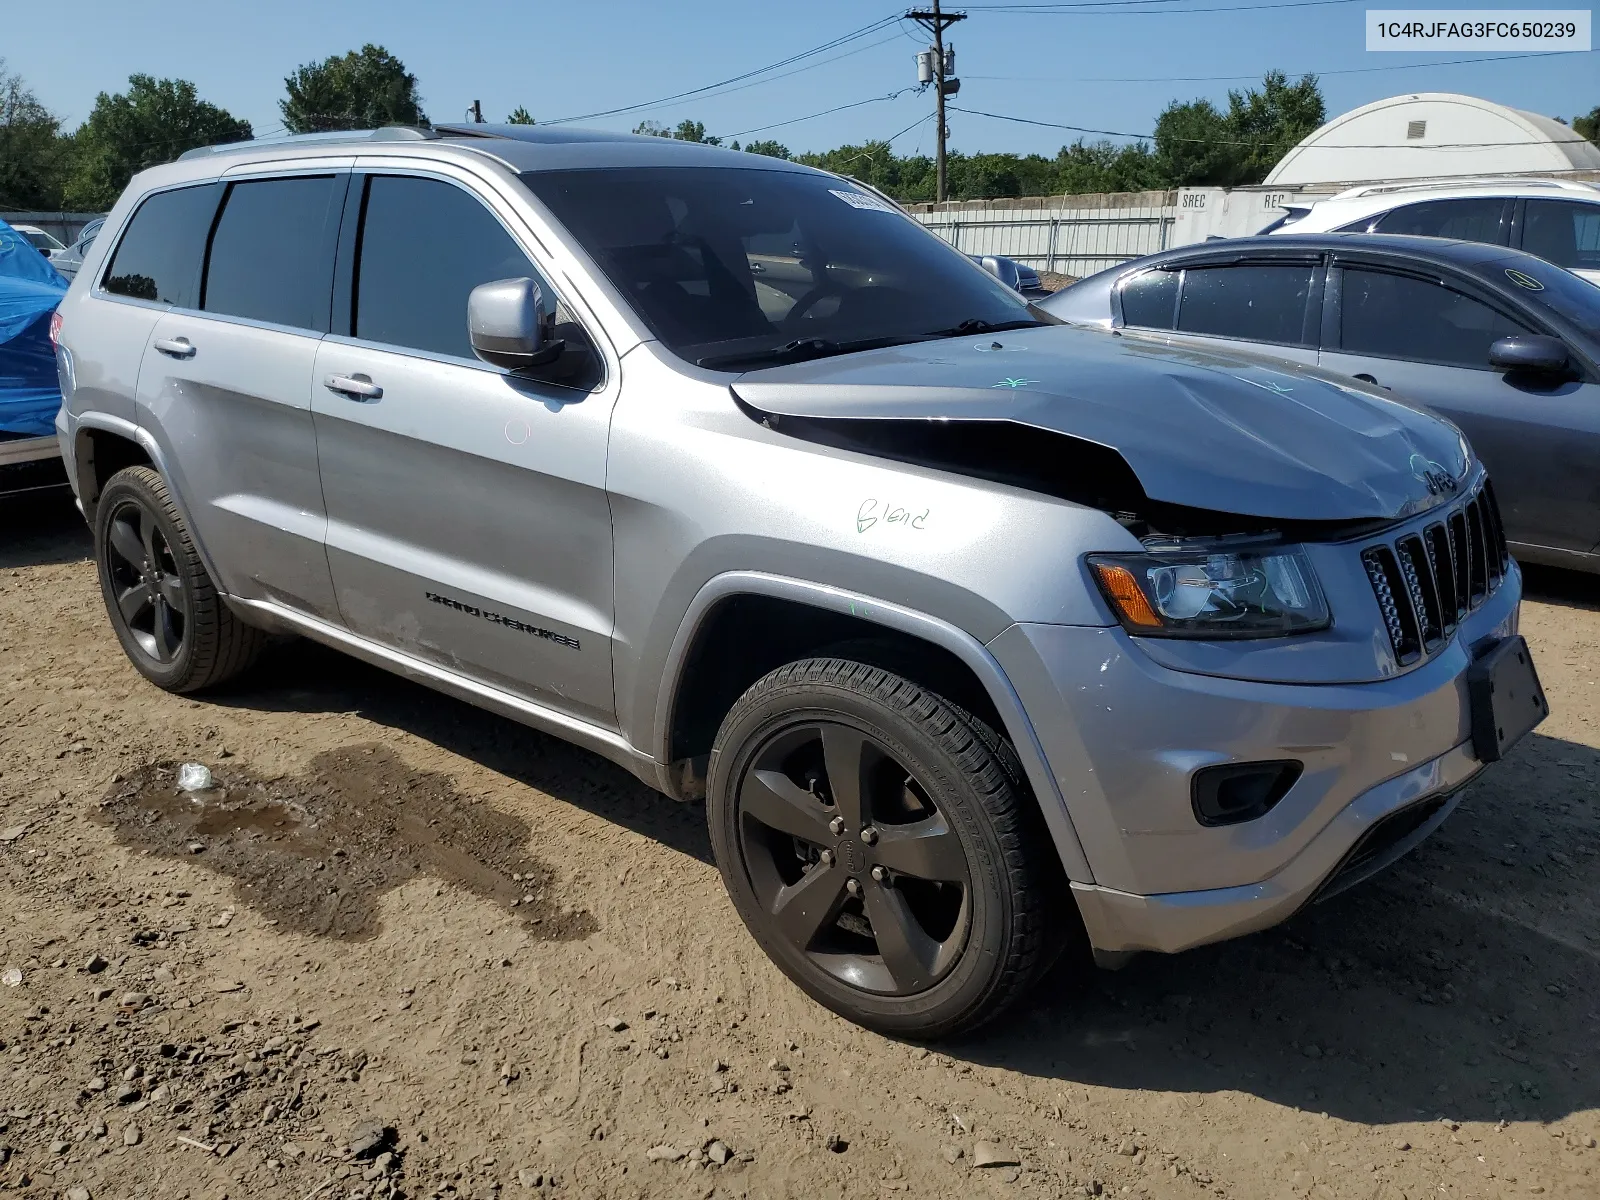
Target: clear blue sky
[{"x": 564, "y": 59}]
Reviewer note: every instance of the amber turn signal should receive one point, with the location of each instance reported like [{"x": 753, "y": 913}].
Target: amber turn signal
[{"x": 1122, "y": 590}]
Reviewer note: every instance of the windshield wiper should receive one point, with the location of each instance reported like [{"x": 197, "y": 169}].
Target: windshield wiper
[
  {"x": 799, "y": 350},
  {"x": 978, "y": 325}
]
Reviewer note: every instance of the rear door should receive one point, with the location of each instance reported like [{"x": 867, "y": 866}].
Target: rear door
[
  {"x": 1427, "y": 337},
  {"x": 1271, "y": 307},
  {"x": 468, "y": 517},
  {"x": 1565, "y": 232},
  {"x": 226, "y": 387},
  {"x": 1467, "y": 218}
]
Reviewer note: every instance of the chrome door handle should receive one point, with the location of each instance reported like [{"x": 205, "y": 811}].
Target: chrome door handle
[
  {"x": 177, "y": 347},
  {"x": 356, "y": 387}
]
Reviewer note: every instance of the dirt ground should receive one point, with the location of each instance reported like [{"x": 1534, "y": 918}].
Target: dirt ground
[{"x": 406, "y": 948}]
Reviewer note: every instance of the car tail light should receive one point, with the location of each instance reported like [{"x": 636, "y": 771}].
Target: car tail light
[{"x": 55, "y": 329}]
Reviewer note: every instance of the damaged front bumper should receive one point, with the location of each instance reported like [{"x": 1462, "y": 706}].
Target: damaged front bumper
[{"x": 1380, "y": 765}]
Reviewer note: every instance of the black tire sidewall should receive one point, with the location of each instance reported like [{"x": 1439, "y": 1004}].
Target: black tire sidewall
[
  {"x": 951, "y": 1002},
  {"x": 125, "y": 486}
]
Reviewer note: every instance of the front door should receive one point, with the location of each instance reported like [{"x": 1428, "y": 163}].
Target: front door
[
  {"x": 468, "y": 519},
  {"x": 1429, "y": 343}
]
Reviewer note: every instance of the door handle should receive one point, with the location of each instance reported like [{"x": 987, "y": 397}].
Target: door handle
[
  {"x": 356, "y": 387},
  {"x": 177, "y": 347}
]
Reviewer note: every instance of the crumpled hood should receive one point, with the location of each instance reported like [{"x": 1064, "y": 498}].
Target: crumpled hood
[{"x": 1229, "y": 432}]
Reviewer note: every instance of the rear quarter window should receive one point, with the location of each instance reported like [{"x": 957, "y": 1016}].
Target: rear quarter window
[{"x": 158, "y": 258}]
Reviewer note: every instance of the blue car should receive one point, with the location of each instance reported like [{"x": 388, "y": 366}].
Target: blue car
[{"x": 30, "y": 289}]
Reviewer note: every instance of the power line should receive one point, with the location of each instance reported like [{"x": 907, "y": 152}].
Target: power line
[
  {"x": 1449, "y": 62},
  {"x": 1125, "y": 8},
  {"x": 1146, "y": 137},
  {"x": 864, "y": 31},
  {"x": 811, "y": 116}
]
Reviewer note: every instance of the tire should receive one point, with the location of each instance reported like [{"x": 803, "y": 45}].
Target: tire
[
  {"x": 173, "y": 626},
  {"x": 941, "y": 796}
]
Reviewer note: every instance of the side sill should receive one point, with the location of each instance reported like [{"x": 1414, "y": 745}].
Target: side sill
[{"x": 605, "y": 742}]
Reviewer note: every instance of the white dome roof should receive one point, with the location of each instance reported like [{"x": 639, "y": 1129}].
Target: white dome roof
[{"x": 1433, "y": 134}]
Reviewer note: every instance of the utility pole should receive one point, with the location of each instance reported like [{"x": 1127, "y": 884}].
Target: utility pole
[
  {"x": 944, "y": 82},
  {"x": 477, "y": 113}
]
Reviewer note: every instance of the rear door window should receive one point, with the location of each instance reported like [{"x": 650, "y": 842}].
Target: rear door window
[
  {"x": 1151, "y": 300},
  {"x": 1253, "y": 302},
  {"x": 1476, "y": 219},
  {"x": 1564, "y": 232},
  {"x": 1404, "y": 316},
  {"x": 272, "y": 253},
  {"x": 159, "y": 255}
]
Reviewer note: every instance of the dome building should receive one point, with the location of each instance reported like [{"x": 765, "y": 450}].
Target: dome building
[{"x": 1429, "y": 135}]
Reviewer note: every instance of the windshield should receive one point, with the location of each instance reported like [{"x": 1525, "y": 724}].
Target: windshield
[
  {"x": 734, "y": 266},
  {"x": 41, "y": 240},
  {"x": 1563, "y": 293}
]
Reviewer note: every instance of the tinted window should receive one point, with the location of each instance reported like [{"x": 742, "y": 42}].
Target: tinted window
[
  {"x": 425, "y": 245},
  {"x": 1475, "y": 220},
  {"x": 727, "y": 265},
  {"x": 1399, "y": 316},
  {"x": 1151, "y": 300},
  {"x": 1259, "y": 303},
  {"x": 271, "y": 259},
  {"x": 1563, "y": 293},
  {"x": 1565, "y": 232},
  {"x": 159, "y": 255}
]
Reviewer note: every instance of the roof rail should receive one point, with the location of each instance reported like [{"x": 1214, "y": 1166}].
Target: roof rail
[
  {"x": 388, "y": 133},
  {"x": 1411, "y": 185}
]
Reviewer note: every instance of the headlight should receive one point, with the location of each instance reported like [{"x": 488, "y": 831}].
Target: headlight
[{"x": 1213, "y": 593}]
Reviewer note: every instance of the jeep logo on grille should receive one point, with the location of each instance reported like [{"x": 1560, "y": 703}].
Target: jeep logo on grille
[{"x": 1440, "y": 482}]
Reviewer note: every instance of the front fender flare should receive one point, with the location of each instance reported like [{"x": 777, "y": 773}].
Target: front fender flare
[{"x": 941, "y": 633}]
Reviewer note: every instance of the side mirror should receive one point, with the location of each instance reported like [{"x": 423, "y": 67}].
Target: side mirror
[
  {"x": 505, "y": 320},
  {"x": 1535, "y": 352}
]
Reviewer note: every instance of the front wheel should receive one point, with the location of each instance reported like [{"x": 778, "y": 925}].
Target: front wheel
[{"x": 881, "y": 846}]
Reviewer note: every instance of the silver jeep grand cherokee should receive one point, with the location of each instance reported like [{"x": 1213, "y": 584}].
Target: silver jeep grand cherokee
[{"x": 981, "y": 636}]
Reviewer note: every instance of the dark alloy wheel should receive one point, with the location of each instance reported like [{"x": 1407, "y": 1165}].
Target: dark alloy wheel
[
  {"x": 881, "y": 845},
  {"x": 172, "y": 623},
  {"x": 145, "y": 584},
  {"x": 856, "y": 865}
]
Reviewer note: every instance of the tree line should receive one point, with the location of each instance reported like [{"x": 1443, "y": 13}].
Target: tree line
[{"x": 44, "y": 166}]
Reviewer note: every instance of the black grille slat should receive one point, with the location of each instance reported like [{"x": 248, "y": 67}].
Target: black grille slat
[
  {"x": 1418, "y": 575},
  {"x": 1444, "y": 575},
  {"x": 1461, "y": 558},
  {"x": 1478, "y": 576},
  {"x": 1394, "y": 600},
  {"x": 1427, "y": 581}
]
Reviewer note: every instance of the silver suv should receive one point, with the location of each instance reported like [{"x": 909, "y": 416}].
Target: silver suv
[{"x": 981, "y": 636}]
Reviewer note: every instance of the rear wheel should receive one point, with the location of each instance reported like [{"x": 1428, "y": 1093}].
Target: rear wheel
[
  {"x": 172, "y": 624},
  {"x": 881, "y": 846}
]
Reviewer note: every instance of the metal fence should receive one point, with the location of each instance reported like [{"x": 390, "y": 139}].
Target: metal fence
[
  {"x": 1070, "y": 235},
  {"x": 63, "y": 226}
]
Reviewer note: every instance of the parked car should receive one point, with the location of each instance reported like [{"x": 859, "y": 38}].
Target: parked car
[
  {"x": 1558, "y": 220},
  {"x": 46, "y": 244},
  {"x": 70, "y": 259},
  {"x": 30, "y": 455},
  {"x": 981, "y": 636},
  {"x": 1504, "y": 344}
]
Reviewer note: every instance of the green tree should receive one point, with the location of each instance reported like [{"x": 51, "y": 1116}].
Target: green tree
[
  {"x": 687, "y": 131},
  {"x": 153, "y": 122},
  {"x": 768, "y": 147},
  {"x": 33, "y": 155},
  {"x": 364, "y": 89},
  {"x": 520, "y": 116},
  {"x": 1272, "y": 121},
  {"x": 1589, "y": 126},
  {"x": 1194, "y": 146}
]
